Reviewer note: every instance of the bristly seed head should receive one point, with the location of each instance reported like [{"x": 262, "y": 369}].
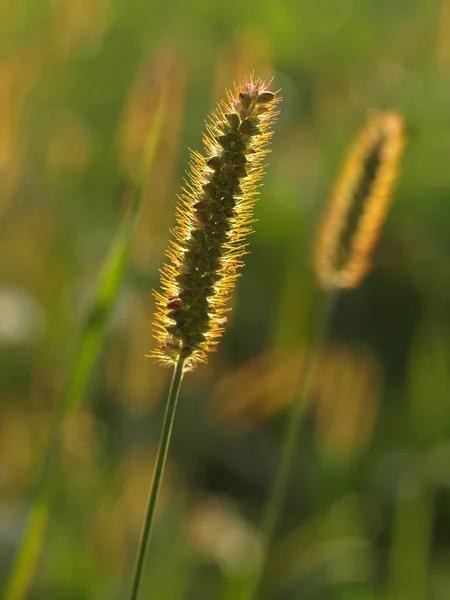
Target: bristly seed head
[
  {"x": 359, "y": 203},
  {"x": 214, "y": 216}
]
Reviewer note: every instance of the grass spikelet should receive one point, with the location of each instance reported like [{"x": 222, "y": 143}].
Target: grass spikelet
[
  {"x": 359, "y": 203},
  {"x": 214, "y": 216}
]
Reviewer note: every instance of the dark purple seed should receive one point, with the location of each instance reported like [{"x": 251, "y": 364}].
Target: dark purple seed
[
  {"x": 225, "y": 141},
  {"x": 229, "y": 201},
  {"x": 198, "y": 338},
  {"x": 170, "y": 344},
  {"x": 186, "y": 295},
  {"x": 224, "y": 126},
  {"x": 232, "y": 180},
  {"x": 246, "y": 126},
  {"x": 182, "y": 268},
  {"x": 230, "y": 213},
  {"x": 239, "y": 145},
  {"x": 172, "y": 329},
  {"x": 214, "y": 163},
  {"x": 223, "y": 226},
  {"x": 203, "y": 217},
  {"x": 265, "y": 97},
  {"x": 184, "y": 280},
  {"x": 245, "y": 99},
  {"x": 228, "y": 168},
  {"x": 174, "y": 304},
  {"x": 240, "y": 171},
  {"x": 233, "y": 120},
  {"x": 249, "y": 128},
  {"x": 227, "y": 156},
  {"x": 176, "y": 315},
  {"x": 239, "y": 159}
]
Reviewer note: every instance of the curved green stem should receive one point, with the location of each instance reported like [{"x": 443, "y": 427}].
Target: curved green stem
[
  {"x": 274, "y": 504},
  {"x": 163, "y": 447},
  {"x": 86, "y": 353}
]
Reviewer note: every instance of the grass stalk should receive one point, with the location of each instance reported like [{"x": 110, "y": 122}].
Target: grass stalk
[
  {"x": 163, "y": 447},
  {"x": 412, "y": 537},
  {"x": 213, "y": 217},
  {"x": 88, "y": 347},
  {"x": 323, "y": 309}
]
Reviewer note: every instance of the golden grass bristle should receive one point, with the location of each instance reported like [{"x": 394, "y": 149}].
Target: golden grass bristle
[
  {"x": 359, "y": 203},
  {"x": 214, "y": 216}
]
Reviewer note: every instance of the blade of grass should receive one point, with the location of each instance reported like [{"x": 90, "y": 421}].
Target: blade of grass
[
  {"x": 87, "y": 350},
  {"x": 323, "y": 308},
  {"x": 409, "y": 554}
]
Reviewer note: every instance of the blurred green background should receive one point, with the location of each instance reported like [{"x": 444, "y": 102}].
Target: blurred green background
[{"x": 368, "y": 510}]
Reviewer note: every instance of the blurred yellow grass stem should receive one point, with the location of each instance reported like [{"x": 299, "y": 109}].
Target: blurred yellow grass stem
[
  {"x": 358, "y": 206},
  {"x": 86, "y": 353},
  {"x": 26, "y": 559},
  {"x": 345, "y": 242},
  {"x": 323, "y": 307}
]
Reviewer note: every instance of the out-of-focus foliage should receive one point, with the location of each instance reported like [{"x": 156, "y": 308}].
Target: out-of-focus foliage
[{"x": 368, "y": 514}]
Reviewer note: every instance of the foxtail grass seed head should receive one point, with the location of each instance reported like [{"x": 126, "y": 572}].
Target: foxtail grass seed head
[
  {"x": 214, "y": 216},
  {"x": 357, "y": 209}
]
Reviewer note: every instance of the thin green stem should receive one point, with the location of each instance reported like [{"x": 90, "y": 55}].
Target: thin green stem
[
  {"x": 163, "y": 447},
  {"x": 86, "y": 352},
  {"x": 274, "y": 505},
  {"x": 412, "y": 530}
]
